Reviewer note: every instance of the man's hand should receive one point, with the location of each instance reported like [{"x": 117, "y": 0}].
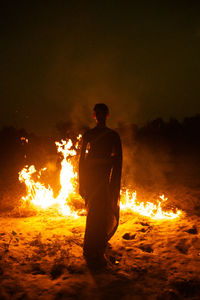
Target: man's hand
[{"x": 82, "y": 191}]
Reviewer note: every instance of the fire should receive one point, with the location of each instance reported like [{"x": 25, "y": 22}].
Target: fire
[
  {"x": 149, "y": 209},
  {"x": 41, "y": 196}
]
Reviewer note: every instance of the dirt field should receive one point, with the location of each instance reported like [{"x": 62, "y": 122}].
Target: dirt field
[{"x": 41, "y": 258}]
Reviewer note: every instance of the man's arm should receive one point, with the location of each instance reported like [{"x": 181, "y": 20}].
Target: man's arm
[
  {"x": 81, "y": 168},
  {"x": 117, "y": 168},
  {"x": 118, "y": 159}
]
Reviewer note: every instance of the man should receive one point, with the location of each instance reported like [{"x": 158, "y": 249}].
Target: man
[{"x": 100, "y": 168}]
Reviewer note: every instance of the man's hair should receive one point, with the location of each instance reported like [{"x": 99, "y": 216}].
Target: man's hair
[{"x": 101, "y": 108}]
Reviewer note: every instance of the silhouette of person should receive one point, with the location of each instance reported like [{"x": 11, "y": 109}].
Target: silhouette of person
[{"x": 100, "y": 168}]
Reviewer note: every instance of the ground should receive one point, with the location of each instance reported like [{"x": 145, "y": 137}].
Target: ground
[
  {"x": 41, "y": 254},
  {"x": 41, "y": 258}
]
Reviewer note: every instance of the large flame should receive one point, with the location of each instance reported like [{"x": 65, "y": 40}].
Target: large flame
[{"x": 41, "y": 196}]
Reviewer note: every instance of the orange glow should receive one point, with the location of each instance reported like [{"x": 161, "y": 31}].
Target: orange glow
[{"x": 24, "y": 139}]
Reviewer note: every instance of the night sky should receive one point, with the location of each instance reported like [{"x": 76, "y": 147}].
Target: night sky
[{"x": 58, "y": 58}]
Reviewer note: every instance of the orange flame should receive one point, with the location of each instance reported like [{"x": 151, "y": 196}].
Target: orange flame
[
  {"x": 42, "y": 196},
  {"x": 129, "y": 202}
]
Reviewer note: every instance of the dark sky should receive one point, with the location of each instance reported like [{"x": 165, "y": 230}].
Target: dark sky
[{"x": 58, "y": 58}]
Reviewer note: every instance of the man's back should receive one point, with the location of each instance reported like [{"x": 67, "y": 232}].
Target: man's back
[{"x": 102, "y": 142}]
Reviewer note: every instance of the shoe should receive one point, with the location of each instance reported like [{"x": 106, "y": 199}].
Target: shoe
[{"x": 97, "y": 262}]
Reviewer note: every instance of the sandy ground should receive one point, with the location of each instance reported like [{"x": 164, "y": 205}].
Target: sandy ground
[{"x": 41, "y": 258}]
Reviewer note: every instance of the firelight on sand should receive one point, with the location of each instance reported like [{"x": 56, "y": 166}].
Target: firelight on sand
[{"x": 41, "y": 196}]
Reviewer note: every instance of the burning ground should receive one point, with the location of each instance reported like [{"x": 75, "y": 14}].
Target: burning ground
[{"x": 150, "y": 258}]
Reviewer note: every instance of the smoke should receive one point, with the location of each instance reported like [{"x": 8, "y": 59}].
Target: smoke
[{"x": 146, "y": 163}]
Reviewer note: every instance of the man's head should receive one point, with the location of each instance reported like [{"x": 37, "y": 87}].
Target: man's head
[{"x": 101, "y": 112}]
